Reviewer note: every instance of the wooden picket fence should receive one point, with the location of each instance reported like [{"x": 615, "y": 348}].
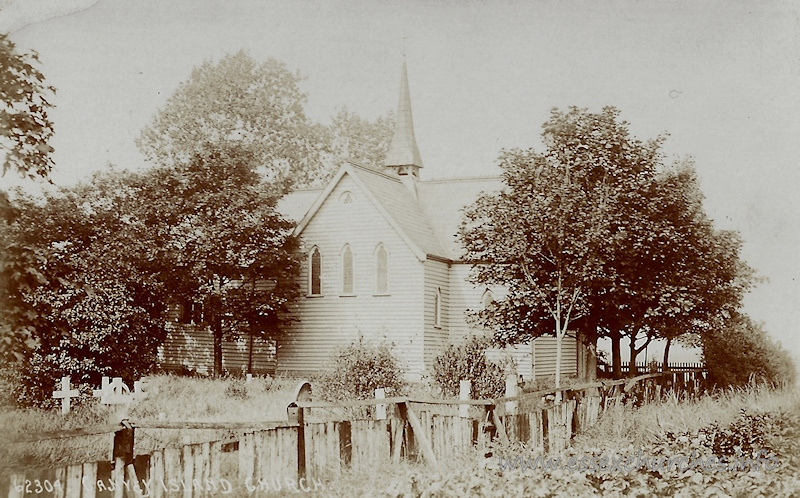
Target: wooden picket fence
[{"x": 320, "y": 439}]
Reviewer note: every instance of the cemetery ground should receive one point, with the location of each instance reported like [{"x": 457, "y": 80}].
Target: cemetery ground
[{"x": 756, "y": 417}]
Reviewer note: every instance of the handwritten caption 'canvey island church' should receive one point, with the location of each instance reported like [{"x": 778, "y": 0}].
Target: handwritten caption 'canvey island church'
[{"x": 148, "y": 486}]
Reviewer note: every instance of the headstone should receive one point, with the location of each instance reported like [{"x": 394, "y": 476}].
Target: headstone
[
  {"x": 65, "y": 394},
  {"x": 116, "y": 393}
]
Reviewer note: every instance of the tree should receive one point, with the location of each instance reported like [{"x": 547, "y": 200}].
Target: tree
[
  {"x": 739, "y": 350},
  {"x": 359, "y": 140},
  {"x": 237, "y": 103},
  {"x": 544, "y": 236},
  {"x": 595, "y": 235},
  {"x": 96, "y": 308},
  {"x": 223, "y": 244},
  {"x": 673, "y": 272},
  {"x": 25, "y": 133},
  {"x": 25, "y": 128}
]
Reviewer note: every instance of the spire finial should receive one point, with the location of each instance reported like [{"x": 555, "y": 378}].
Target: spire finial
[{"x": 404, "y": 154}]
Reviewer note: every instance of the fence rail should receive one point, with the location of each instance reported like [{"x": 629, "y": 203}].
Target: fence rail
[{"x": 316, "y": 440}]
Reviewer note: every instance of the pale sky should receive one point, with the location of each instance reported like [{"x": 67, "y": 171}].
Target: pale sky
[{"x": 723, "y": 78}]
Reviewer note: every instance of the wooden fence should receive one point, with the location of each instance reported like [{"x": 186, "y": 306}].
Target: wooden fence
[{"x": 320, "y": 439}]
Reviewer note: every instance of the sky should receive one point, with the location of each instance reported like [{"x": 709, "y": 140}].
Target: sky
[{"x": 722, "y": 78}]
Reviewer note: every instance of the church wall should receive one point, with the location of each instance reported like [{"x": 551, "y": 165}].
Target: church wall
[
  {"x": 463, "y": 296},
  {"x": 332, "y": 320},
  {"x": 437, "y": 276}
]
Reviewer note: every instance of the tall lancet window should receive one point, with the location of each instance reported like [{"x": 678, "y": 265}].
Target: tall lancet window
[
  {"x": 347, "y": 271},
  {"x": 314, "y": 272},
  {"x": 381, "y": 270},
  {"x": 487, "y": 298},
  {"x": 437, "y": 308}
]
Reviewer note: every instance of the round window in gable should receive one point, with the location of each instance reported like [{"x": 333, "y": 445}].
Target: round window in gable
[{"x": 347, "y": 197}]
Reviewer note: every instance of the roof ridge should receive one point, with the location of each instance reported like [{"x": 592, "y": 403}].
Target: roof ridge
[
  {"x": 462, "y": 178},
  {"x": 368, "y": 169}
]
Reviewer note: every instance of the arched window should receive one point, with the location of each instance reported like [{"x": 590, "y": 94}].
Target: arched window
[
  {"x": 381, "y": 270},
  {"x": 314, "y": 271},
  {"x": 487, "y": 299},
  {"x": 437, "y": 308},
  {"x": 347, "y": 271}
]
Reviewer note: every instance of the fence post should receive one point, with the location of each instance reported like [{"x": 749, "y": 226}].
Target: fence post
[
  {"x": 380, "y": 410},
  {"x": 122, "y": 455},
  {"x": 297, "y": 415},
  {"x": 511, "y": 390},
  {"x": 464, "y": 393}
]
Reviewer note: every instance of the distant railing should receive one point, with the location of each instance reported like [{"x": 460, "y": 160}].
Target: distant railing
[{"x": 655, "y": 366}]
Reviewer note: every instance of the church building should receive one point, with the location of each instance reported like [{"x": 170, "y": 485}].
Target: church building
[{"x": 383, "y": 261}]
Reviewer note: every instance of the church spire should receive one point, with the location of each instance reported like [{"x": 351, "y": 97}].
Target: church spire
[{"x": 403, "y": 154}]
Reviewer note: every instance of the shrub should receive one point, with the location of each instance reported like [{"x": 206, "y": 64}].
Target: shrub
[
  {"x": 468, "y": 362},
  {"x": 360, "y": 368}
]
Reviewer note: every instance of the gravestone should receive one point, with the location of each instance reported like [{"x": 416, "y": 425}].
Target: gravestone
[{"x": 65, "y": 394}]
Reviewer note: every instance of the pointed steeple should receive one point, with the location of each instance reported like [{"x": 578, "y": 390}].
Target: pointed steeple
[{"x": 403, "y": 156}]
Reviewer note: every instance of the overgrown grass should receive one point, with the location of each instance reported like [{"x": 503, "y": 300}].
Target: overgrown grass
[
  {"x": 621, "y": 430},
  {"x": 170, "y": 398}
]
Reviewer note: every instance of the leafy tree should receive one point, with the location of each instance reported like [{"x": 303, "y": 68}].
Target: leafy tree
[
  {"x": 25, "y": 128},
  {"x": 25, "y": 132},
  {"x": 237, "y": 103},
  {"x": 594, "y": 234},
  {"x": 359, "y": 140},
  {"x": 546, "y": 235},
  {"x": 673, "y": 272},
  {"x": 740, "y": 351},
  {"x": 96, "y": 309},
  {"x": 223, "y": 244}
]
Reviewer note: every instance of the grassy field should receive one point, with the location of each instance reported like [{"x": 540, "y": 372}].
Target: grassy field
[
  {"x": 752, "y": 419},
  {"x": 170, "y": 398}
]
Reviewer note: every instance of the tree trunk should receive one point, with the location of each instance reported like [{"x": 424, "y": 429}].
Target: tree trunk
[
  {"x": 587, "y": 350},
  {"x": 665, "y": 365},
  {"x": 216, "y": 328},
  {"x": 632, "y": 370},
  {"x": 616, "y": 353},
  {"x": 250, "y": 354}
]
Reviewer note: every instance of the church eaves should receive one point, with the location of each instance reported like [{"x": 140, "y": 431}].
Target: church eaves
[{"x": 404, "y": 156}]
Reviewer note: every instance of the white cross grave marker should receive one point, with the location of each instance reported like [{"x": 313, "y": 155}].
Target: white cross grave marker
[
  {"x": 65, "y": 394},
  {"x": 116, "y": 393}
]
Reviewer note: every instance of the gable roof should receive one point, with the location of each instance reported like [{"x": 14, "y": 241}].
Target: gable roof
[{"x": 428, "y": 223}]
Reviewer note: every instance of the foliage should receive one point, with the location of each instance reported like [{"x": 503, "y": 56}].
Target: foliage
[
  {"x": 740, "y": 351},
  {"x": 236, "y": 103},
  {"x": 468, "y": 361},
  {"x": 25, "y": 132},
  {"x": 359, "y": 368},
  {"x": 222, "y": 242},
  {"x": 25, "y": 128},
  {"x": 96, "y": 308},
  {"x": 595, "y": 234},
  {"x": 359, "y": 140}
]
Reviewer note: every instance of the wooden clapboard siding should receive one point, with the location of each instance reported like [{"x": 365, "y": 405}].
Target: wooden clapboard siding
[
  {"x": 544, "y": 356},
  {"x": 191, "y": 347},
  {"x": 332, "y": 320},
  {"x": 520, "y": 354},
  {"x": 463, "y": 296},
  {"x": 437, "y": 276}
]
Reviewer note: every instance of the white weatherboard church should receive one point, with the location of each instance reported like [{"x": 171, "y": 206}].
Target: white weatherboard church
[{"x": 382, "y": 261}]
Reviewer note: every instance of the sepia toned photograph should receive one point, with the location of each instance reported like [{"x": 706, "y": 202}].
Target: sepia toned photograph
[{"x": 401, "y": 249}]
